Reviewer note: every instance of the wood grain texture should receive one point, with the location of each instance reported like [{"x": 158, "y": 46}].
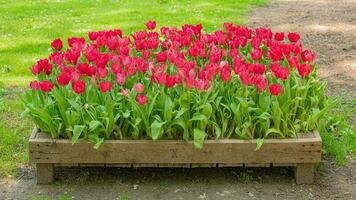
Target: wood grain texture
[
  {"x": 43, "y": 149},
  {"x": 304, "y": 173},
  {"x": 45, "y": 173}
]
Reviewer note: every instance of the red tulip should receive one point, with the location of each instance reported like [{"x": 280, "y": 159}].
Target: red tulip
[
  {"x": 279, "y": 71},
  {"x": 279, "y": 36},
  {"x": 102, "y": 72},
  {"x": 141, "y": 99},
  {"x": 146, "y": 54},
  {"x": 116, "y": 68},
  {"x": 150, "y": 25},
  {"x": 63, "y": 79},
  {"x": 57, "y": 44},
  {"x": 259, "y": 68},
  {"x": 72, "y": 55},
  {"x": 161, "y": 56},
  {"x": 225, "y": 73},
  {"x": 304, "y": 70},
  {"x": 56, "y": 58},
  {"x": 42, "y": 65},
  {"x": 293, "y": 37},
  {"x": 120, "y": 78},
  {"x": 275, "y": 89},
  {"x": 308, "y": 56},
  {"x": 36, "y": 69},
  {"x": 256, "y": 54},
  {"x": 46, "y": 86},
  {"x": 260, "y": 82},
  {"x": 293, "y": 61},
  {"x": 78, "y": 86},
  {"x": 105, "y": 86},
  {"x": 125, "y": 92},
  {"x": 139, "y": 87},
  {"x": 34, "y": 85},
  {"x": 296, "y": 48},
  {"x": 76, "y": 43}
]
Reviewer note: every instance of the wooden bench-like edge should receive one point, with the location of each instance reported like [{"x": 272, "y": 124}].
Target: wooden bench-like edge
[{"x": 302, "y": 153}]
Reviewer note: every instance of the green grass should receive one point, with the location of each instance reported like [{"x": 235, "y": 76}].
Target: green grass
[
  {"x": 14, "y": 133},
  {"x": 28, "y": 27},
  {"x": 338, "y": 131}
]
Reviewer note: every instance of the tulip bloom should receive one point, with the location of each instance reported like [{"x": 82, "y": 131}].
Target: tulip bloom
[
  {"x": 275, "y": 89},
  {"x": 78, "y": 86},
  {"x": 139, "y": 87},
  {"x": 141, "y": 99},
  {"x": 57, "y": 44},
  {"x": 105, "y": 86}
]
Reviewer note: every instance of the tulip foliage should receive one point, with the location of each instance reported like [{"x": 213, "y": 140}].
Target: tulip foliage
[{"x": 177, "y": 83}]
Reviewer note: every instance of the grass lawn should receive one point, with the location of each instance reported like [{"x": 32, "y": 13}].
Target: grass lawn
[{"x": 28, "y": 27}]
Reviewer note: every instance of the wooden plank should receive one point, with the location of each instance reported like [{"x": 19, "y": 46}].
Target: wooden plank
[
  {"x": 45, "y": 173},
  {"x": 230, "y": 165},
  {"x": 198, "y": 165},
  {"x": 169, "y": 165},
  {"x": 284, "y": 164},
  {"x": 137, "y": 165},
  {"x": 257, "y": 165},
  {"x": 34, "y": 134},
  {"x": 118, "y": 165},
  {"x": 304, "y": 173},
  {"x": 227, "y": 151},
  {"x": 66, "y": 165},
  {"x": 91, "y": 165}
]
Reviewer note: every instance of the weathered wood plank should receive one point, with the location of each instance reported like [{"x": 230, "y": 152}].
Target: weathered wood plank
[
  {"x": 118, "y": 165},
  {"x": 304, "y": 173},
  {"x": 200, "y": 165},
  {"x": 66, "y": 165},
  {"x": 230, "y": 165},
  {"x": 45, "y": 173},
  {"x": 227, "y": 151},
  {"x": 257, "y": 165},
  {"x": 284, "y": 164},
  {"x": 138, "y": 165},
  {"x": 170, "y": 165}
]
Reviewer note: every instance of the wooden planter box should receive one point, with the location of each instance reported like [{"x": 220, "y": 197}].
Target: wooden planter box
[{"x": 302, "y": 153}]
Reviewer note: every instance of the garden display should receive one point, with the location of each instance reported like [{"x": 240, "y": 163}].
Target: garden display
[{"x": 235, "y": 95}]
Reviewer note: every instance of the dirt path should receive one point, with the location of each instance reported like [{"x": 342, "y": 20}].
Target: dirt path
[{"x": 328, "y": 28}]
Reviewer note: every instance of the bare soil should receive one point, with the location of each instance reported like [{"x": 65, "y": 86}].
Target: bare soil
[{"x": 327, "y": 27}]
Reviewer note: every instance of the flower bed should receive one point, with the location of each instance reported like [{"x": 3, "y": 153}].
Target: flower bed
[{"x": 180, "y": 84}]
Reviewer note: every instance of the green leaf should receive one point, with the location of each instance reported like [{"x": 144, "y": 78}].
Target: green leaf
[
  {"x": 75, "y": 105},
  {"x": 126, "y": 114},
  {"x": 98, "y": 143},
  {"x": 198, "y": 117},
  {"x": 94, "y": 125},
  {"x": 77, "y": 131},
  {"x": 168, "y": 109},
  {"x": 259, "y": 142},
  {"x": 273, "y": 130},
  {"x": 199, "y": 137},
  {"x": 180, "y": 113},
  {"x": 156, "y": 129},
  {"x": 25, "y": 113},
  {"x": 183, "y": 125},
  {"x": 217, "y": 129}
]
